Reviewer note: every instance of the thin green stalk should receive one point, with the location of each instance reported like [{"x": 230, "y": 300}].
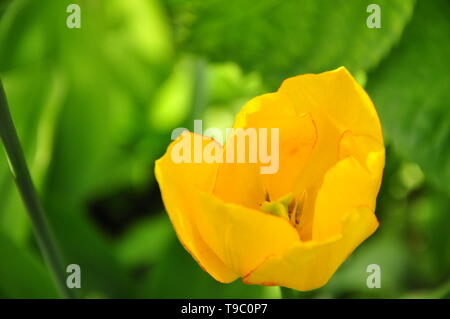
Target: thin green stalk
[
  {"x": 45, "y": 239},
  {"x": 286, "y": 293}
]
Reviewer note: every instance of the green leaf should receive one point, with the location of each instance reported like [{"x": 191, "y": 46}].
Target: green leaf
[
  {"x": 76, "y": 135},
  {"x": 33, "y": 114},
  {"x": 286, "y": 38},
  {"x": 24, "y": 37},
  {"x": 145, "y": 242},
  {"x": 429, "y": 222},
  {"x": 410, "y": 90},
  {"x": 22, "y": 275},
  {"x": 177, "y": 275},
  {"x": 82, "y": 244}
]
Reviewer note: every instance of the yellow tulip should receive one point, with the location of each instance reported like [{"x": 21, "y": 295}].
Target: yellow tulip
[{"x": 293, "y": 228}]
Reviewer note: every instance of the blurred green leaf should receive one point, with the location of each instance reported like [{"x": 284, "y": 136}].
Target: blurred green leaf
[
  {"x": 287, "y": 38},
  {"x": 410, "y": 90},
  {"x": 177, "y": 275},
  {"x": 227, "y": 83},
  {"x": 442, "y": 292},
  {"x": 140, "y": 26},
  {"x": 87, "y": 154},
  {"x": 34, "y": 117},
  {"x": 137, "y": 46},
  {"x": 173, "y": 101},
  {"x": 84, "y": 245},
  {"x": 22, "y": 275},
  {"x": 430, "y": 240},
  {"x": 25, "y": 37},
  {"x": 14, "y": 219},
  {"x": 145, "y": 242},
  {"x": 84, "y": 152}
]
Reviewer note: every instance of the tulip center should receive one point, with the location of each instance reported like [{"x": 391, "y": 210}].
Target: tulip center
[{"x": 287, "y": 207}]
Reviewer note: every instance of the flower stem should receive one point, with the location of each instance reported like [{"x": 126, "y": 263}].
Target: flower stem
[
  {"x": 286, "y": 293},
  {"x": 24, "y": 183}
]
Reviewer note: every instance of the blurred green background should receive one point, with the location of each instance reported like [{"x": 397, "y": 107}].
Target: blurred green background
[{"x": 94, "y": 107}]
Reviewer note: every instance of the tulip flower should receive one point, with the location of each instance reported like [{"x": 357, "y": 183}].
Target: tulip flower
[{"x": 295, "y": 227}]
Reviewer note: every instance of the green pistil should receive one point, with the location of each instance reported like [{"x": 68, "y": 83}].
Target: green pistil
[{"x": 279, "y": 207}]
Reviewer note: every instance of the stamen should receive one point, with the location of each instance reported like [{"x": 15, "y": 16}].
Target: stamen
[
  {"x": 286, "y": 207},
  {"x": 298, "y": 213},
  {"x": 292, "y": 210},
  {"x": 299, "y": 208},
  {"x": 282, "y": 207},
  {"x": 291, "y": 207}
]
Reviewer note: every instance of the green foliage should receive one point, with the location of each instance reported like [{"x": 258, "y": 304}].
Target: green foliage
[
  {"x": 190, "y": 280},
  {"x": 285, "y": 38},
  {"x": 94, "y": 107},
  {"x": 21, "y": 274},
  {"x": 429, "y": 227},
  {"x": 411, "y": 92}
]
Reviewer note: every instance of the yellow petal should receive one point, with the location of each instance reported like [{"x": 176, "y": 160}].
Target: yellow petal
[
  {"x": 353, "y": 182},
  {"x": 297, "y": 136},
  {"x": 337, "y": 95},
  {"x": 312, "y": 112},
  {"x": 309, "y": 265},
  {"x": 242, "y": 237},
  {"x": 337, "y": 105},
  {"x": 365, "y": 149},
  {"x": 178, "y": 182},
  {"x": 239, "y": 183}
]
